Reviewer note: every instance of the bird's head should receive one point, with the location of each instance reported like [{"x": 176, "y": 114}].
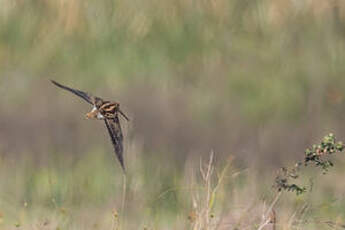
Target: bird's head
[{"x": 98, "y": 102}]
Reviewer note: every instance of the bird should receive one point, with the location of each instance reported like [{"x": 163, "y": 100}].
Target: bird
[{"x": 104, "y": 110}]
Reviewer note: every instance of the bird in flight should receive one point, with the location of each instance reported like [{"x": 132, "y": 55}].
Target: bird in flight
[{"x": 107, "y": 111}]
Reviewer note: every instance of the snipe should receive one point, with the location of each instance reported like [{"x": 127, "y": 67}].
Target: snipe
[{"x": 107, "y": 111}]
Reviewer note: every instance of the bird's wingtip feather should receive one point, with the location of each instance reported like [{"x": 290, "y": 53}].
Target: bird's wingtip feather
[{"x": 54, "y": 82}]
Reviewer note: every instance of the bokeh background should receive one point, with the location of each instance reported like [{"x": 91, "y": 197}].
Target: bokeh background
[{"x": 255, "y": 80}]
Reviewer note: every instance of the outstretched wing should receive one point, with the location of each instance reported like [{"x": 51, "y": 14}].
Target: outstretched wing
[
  {"x": 87, "y": 97},
  {"x": 115, "y": 132}
]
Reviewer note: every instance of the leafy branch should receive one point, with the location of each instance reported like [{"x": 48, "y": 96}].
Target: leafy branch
[{"x": 317, "y": 155}]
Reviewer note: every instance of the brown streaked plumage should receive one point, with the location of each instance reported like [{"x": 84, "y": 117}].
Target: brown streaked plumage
[{"x": 107, "y": 111}]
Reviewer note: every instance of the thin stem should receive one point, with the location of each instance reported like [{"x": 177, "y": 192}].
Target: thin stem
[{"x": 123, "y": 202}]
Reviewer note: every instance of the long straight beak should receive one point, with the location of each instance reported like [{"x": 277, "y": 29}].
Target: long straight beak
[
  {"x": 92, "y": 114},
  {"x": 124, "y": 115}
]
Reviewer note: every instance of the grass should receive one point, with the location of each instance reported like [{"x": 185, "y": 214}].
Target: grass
[{"x": 88, "y": 194}]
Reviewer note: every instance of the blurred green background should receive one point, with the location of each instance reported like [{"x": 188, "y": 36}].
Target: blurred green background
[{"x": 256, "y": 80}]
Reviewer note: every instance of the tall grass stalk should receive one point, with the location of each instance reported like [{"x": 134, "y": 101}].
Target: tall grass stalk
[
  {"x": 202, "y": 216},
  {"x": 123, "y": 202}
]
